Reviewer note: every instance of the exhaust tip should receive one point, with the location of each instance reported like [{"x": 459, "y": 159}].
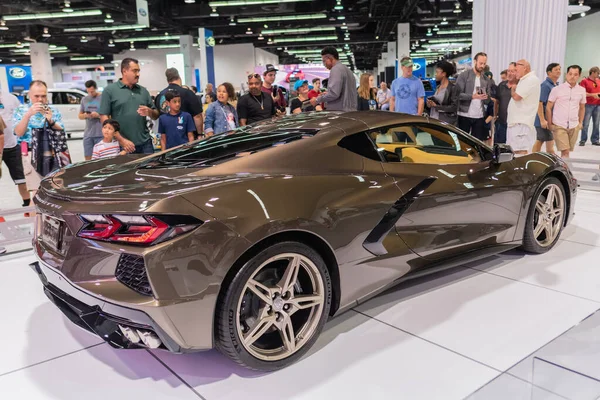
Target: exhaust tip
[
  {"x": 149, "y": 339},
  {"x": 130, "y": 334}
]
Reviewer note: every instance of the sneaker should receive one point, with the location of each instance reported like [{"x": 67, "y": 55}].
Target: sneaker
[
  {"x": 596, "y": 177},
  {"x": 596, "y": 144},
  {"x": 582, "y": 143}
]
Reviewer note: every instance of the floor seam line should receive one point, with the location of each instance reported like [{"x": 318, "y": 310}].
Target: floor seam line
[
  {"x": 537, "y": 286},
  {"x": 50, "y": 359},
  {"x": 429, "y": 341},
  {"x": 176, "y": 374}
]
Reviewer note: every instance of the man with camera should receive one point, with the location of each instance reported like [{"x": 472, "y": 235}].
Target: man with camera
[{"x": 270, "y": 88}]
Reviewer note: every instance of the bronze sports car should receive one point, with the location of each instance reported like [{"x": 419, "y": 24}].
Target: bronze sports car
[{"x": 250, "y": 240}]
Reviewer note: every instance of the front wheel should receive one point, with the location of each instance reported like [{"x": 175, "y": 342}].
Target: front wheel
[
  {"x": 546, "y": 217},
  {"x": 274, "y": 308}
]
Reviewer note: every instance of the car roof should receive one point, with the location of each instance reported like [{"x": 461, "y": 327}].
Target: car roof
[{"x": 350, "y": 122}]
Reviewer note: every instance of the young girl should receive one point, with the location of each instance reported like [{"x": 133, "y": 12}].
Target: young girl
[{"x": 108, "y": 146}]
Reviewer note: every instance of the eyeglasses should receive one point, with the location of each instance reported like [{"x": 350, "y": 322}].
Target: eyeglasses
[{"x": 257, "y": 76}]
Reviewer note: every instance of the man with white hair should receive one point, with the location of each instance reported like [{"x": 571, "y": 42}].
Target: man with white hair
[{"x": 522, "y": 109}]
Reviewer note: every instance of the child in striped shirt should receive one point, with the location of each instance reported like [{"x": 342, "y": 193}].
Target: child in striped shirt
[{"x": 108, "y": 146}]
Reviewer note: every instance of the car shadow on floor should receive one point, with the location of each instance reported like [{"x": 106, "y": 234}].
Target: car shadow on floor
[{"x": 331, "y": 354}]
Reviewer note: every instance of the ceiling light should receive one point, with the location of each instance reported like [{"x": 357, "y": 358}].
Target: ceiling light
[
  {"x": 232, "y": 3},
  {"x": 376, "y": 37},
  {"x": 86, "y": 58},
  {"x": 261, "y": 37},
  {"x": 306, "y": 39},
  {"x": 164, "y": 46},
  {"x": 435, "y": 28},
  {"x": 465, "y": 22},
  {"x": 108, "y": 19},
  {"x": 428, "y": 33},
  {"x": 83, "y": 39},
  {"x": 105, "y": 28},
  {"x": 51, "y": 15},
  {"x": 19, "y": 45},
  {"x": 455, "y": 32},
  {"x": 46, "y": 34},
  {"x": 341, "y": 17},
  {"x": 232, "y": 22},
  {"x": 298, "y": 30},
  {"x": 147, "y": 38},
  {"x": 55, "y": 49},
  {"x": 249, "y": 31},
  {"x": 457, "y": 9},
  {"x": 132, "y": 46},
  {"x": 265, "y": 26},
  {"x": 13, "y": 60},
  {"x": 214, "y": 13},
  {"x": 111, "y": 43},
  {"x": 282, "y": 18},
  {"x": 444, "y": 21},
  {"x": 3, "y": 26},
  {"x": 189, "y": 1},
  {"x": 339, "y": 7},
  {"x": 67, "y": 7}
]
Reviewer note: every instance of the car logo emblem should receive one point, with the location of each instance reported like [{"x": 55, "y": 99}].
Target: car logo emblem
[
  {"x": 18, "y": 73},
  {"x": 142, "y": 12}
]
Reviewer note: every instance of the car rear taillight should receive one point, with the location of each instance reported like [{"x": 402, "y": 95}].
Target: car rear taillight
[{"x": 135, "y": 229}]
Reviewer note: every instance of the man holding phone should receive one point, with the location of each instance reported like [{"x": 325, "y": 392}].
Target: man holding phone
[
  {"x": 522, "y": 109},
  {"x": 474, "y": 95},
  {"x": 275, "y": 92}
]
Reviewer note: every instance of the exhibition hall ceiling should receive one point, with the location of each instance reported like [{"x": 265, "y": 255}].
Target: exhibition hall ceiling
[{"x": 93, "y": 31}]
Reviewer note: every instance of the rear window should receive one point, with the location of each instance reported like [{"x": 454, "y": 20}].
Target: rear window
[{"x": 238, "y": 143}]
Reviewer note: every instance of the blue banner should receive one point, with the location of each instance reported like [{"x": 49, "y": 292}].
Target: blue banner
[{"x": 419, "y": 67}]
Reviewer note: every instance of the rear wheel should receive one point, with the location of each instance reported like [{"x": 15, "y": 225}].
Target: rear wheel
[
  {"x": 275, "y": 307},
  {"x": 546, "y": 217}
]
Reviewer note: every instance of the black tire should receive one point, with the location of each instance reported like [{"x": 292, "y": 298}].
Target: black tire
[
  {"x": 530, "y": 244},
  {"x": 227, "y": 338}
]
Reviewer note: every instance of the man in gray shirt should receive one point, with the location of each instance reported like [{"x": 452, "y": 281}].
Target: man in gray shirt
[
  {"x": 90, "y": 105},
  {"x": 341, "y": 92}
]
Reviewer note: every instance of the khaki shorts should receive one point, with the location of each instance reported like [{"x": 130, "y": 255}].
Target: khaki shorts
[{"x": 565, "y": 139}]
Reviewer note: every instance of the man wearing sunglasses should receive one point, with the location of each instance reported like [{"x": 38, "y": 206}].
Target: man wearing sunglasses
[{"x": 256, "y": 105}]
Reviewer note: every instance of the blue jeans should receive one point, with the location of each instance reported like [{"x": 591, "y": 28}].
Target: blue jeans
[
  {"x": 144, "y": 148},
  {"x": 591, "y": 112},
  {"x": 500, "y": 133}
]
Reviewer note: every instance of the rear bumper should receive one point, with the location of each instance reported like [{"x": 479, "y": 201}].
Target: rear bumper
[{"x": 98, "y": 316}]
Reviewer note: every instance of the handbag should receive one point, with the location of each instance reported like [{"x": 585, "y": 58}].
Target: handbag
[{"x": 49, "y": 150}]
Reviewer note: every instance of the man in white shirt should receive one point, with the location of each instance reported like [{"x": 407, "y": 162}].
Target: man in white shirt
[
  {"x": 522, "y": 109},
  {"x": 12, "y": 153},
  {"x": 384, "y": 96}
]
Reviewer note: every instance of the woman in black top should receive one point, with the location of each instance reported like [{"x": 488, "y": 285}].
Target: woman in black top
[
  {"x": 302, "y": 103},
  {"x": 367, "y": 99},
  {"x": 443, "y": 105}
]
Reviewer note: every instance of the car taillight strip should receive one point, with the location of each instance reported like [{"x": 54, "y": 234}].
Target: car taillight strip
[{"x": 142, "y": 230}]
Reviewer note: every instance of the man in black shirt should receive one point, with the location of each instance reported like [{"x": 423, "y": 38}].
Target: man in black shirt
[
  {"x": 502, "y": 97},
  {"x": 190, "y": 103},
  {"x": 255, "y": 106}
]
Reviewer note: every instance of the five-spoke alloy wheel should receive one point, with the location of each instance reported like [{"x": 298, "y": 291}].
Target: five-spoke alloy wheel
[
  {"x": 546, "y": 217},
  {"x": 275, "y": 307}
]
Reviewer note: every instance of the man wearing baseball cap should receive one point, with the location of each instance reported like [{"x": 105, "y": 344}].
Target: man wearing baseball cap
[
  {"x": 268, "y": 87},
  {"x": 408, "y": 93}
]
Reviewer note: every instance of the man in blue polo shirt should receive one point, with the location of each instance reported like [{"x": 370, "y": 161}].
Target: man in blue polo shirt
[
  {"x": 408, "y": 93},
  {"x": 541, "y": 125}
]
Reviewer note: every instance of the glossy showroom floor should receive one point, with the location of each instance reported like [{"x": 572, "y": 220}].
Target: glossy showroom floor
[{"x": 509, "y": 327}]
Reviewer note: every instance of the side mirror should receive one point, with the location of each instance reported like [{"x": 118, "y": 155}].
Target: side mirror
[{"x": 503, "y": 153}]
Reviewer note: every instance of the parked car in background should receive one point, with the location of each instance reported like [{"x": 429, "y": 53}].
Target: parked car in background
[{"x": 67, "y": 101}]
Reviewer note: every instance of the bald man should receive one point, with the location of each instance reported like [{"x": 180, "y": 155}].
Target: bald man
[{"x": 522, "y": 109}]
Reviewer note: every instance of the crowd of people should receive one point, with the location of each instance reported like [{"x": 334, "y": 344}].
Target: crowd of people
[{"x": 521, "y": 110}]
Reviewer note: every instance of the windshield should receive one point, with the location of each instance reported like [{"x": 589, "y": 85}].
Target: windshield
[{"x": 237, "y": 143}]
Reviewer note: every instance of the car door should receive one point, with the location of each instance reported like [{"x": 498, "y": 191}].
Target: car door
[
  {"x": 68, "y": 103},
  {"x": 463, "y": 201}
]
